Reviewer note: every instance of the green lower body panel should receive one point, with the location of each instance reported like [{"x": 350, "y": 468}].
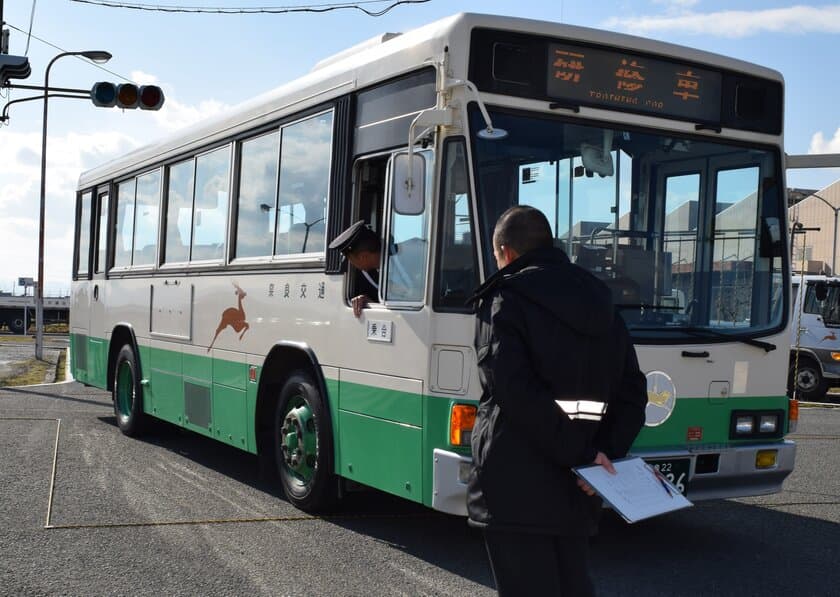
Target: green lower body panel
[
  {"x": 89, "y": 360},
  {"x": 382, "y": 454},
  {"x": 97, "y": 373},
  {"x": 229, "y": 408},
  {"x": 165, "y": 396}
]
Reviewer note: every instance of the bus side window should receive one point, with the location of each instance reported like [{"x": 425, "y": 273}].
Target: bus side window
[
  {"x": 210, "y": 205},
  {"x": 83, "y": 235},
  {"x": 304, "y": 175},
  {"x": 457, "y": 275},
  {"x": 179, "y": 197},
  {"x": 146, "y": 208},
  {"x": 124, "y": 225}
]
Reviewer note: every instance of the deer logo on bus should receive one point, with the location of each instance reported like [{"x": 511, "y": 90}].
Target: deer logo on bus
[{"x": 233, "y": 317}]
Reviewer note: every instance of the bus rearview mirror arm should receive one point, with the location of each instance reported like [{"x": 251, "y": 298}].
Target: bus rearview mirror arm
[{"x": 434, "y": 117}]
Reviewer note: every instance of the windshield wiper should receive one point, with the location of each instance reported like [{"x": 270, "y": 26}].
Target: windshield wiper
[{"x": 706, "y": 332}]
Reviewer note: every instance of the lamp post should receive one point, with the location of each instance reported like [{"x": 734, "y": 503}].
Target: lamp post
[
  {"x": 96, "y": 56},
  {"x": 836, "y": 210}
]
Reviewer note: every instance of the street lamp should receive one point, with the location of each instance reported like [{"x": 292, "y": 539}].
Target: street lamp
[{"x": 98, "y": 56}]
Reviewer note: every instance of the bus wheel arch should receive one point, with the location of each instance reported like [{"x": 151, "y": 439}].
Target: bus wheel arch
[
  {"x": 122, "y": 334},
  {"x": 293, "y": 424}
]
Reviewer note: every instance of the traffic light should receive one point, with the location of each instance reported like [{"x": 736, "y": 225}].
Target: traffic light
[
  {"x": 13, "y": 67},
  {"x": 126, "y": 96}
]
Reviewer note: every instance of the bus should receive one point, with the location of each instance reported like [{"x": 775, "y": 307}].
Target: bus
[{"x": 205, "y": 294}]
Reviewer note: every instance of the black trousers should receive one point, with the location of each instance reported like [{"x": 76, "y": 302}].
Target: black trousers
[{"x": 534, "y": 564}]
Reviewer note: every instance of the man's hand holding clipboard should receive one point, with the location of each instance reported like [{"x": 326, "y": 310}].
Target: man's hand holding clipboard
[
  {"x": 601, "y": 459},
  {"x": 631, "y": 487}
]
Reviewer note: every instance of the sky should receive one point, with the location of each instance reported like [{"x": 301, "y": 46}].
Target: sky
[{"x": 208, "y": 62}]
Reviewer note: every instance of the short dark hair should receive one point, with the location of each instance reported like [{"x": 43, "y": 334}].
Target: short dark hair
[{"x": 523, "y": 228}]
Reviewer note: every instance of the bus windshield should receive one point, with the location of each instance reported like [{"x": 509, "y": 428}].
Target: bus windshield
[{"x": 687, "y": 232}]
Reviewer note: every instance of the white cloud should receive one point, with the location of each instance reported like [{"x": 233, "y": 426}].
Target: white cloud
[
  {"x": 798, "y": 19},
  {"x": 819, "y": 144},
  {"x": 67, "y": 156},
  {"x": 676, "y": 4},
  {"x": 175, "y": 115},
  {"x": 141, "y": 78}
]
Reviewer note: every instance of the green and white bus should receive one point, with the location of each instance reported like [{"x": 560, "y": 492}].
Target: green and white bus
[{"x": 205, "y": 294}]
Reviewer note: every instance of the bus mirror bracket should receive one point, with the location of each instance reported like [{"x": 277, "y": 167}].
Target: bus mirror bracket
[
  {"x": 489, "y": 133},
  {"x": 428, "y": 119}
]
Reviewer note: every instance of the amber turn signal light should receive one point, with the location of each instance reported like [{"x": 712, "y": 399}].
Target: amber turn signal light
[{"x": 461, "y": 424}]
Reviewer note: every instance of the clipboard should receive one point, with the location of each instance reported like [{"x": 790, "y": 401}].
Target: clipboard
[{"x": 636, "y": 492}]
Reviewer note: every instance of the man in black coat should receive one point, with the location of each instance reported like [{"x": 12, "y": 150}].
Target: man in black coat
[{"x": 561, "y": 388}]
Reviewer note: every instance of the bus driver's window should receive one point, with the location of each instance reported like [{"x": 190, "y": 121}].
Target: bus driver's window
[{"x": 369, "y": 200}]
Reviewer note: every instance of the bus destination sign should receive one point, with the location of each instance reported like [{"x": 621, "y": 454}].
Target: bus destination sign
[{"x": 615, "y": 79}]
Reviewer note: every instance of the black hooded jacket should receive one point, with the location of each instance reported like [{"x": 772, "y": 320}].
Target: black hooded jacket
[{"x": 546, "y": 331}]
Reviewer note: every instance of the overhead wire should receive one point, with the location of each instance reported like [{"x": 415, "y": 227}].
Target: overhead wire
[
  {"x": 82, "y": 58},
  {"x": 313, "y": 8}
]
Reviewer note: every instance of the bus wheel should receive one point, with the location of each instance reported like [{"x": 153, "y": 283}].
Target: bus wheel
[
  {"x": 16, "y": 325},
  {"x": 127, "y": 394},
  {"x": 810, "y": 383},
  {"x": 303, "y": 445}
]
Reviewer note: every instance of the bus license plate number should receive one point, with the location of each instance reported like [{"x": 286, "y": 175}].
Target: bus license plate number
[{"x": 676, "y": 471}]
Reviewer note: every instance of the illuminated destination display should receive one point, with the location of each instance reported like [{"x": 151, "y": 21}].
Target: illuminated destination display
[{"x": 582, "y": 75}]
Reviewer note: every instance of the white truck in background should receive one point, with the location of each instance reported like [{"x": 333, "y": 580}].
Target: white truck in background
[{"x": 815, "y": 335}]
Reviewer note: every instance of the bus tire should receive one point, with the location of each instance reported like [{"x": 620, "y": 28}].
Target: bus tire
[
  {"x": 303, "y": 445},
  {"x": 128, "y": 393},
  {"x": 17, "y": 325},
  {"x": 810, "y": 383}
]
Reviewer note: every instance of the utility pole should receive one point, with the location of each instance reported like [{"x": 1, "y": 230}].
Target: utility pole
[{"x": 4, "y": 33}]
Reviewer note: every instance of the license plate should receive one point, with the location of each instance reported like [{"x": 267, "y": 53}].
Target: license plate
[{"x": 676, "y": 471}]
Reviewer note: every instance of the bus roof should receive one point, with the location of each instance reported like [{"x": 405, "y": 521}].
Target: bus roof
[{"x": 378, "y": 59}]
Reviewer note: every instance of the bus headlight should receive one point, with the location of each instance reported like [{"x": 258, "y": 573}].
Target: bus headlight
[
  {"x": 744, "y": 425},
  {"x": 756, "y": 424},
  {"x": 768, "y": 424}
]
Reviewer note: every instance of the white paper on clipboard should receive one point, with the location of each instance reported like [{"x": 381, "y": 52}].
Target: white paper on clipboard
[{"x": 636, "y": 492}]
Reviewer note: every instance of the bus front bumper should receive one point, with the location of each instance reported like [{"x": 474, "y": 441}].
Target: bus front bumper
[
  {"x": 449, "y": 486},
  {"x": 730, "y": 472},
  {"x": 734, "y": 473}
]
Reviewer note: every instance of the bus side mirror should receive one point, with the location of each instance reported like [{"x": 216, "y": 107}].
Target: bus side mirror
[{"x": 408, "y": 184}]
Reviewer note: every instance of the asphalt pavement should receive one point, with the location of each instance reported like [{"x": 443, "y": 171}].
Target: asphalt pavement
[{"x": 174, "y": 513}]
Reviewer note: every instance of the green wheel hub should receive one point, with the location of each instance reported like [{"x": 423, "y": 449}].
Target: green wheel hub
[
  {"x": 299, "y": 441},
  {"x": 125, "y": 389}
]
